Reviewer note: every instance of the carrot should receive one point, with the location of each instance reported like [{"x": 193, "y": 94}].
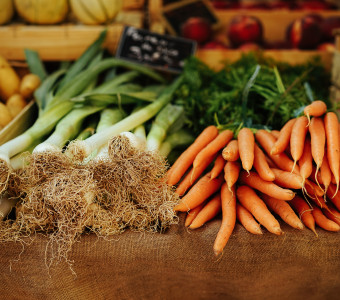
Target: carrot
[
  {"x": 208, "y": 212},
  {"x": 261, "y": 165},
  {"x": 284, "y": 210},
  {"x": 297, "y": 138},
  {"x": 220, "y": 141},
  {"x": 275, "y": 133},
  {"x": 266, "y": 141},
  {"x": 333, "y": 144},
  {"x": 249, "y": 199},
  {"x": 246, "y": 143},
  {"x": 304, "y": 211},
  {"x": 190, "y": 178},
  {"x": 230, "y": 152},
  {"x": 199, "y": 192},
  {"x": 184, "y": 161},
  {"x": 306, "y": 162},
  {"x": 287, "y": 179},
  {"x": 322, "y": 221},
  {"x": 228, "y": 199},
  {"x": 313, "y": 190},
  {"x": 267, "y": 187},
  {"x": 191, "y": 215},
  {"x": 316, "y": 108},
  {"x": 318, "y": 140},
  {"x": 325, "y": 173},
  {"x": 334, "y": 195},
  {"x": 247, "y": 219},
  {"x": 231, "y": 173},
  {"x": 283, "y": 138},
  {"x": 332, "y": 214},
  {"x": 218, "y": 166}
]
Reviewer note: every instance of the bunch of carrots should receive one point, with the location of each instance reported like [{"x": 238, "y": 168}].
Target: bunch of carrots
[{"x": 259, "y": 175}]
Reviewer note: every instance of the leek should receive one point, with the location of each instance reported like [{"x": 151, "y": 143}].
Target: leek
[
  {"x": 86, "y": 147},
  {"x": 179, "y": 138},
  {"x": 161, "y": 125},
  {"x": 67, "y": 129}
]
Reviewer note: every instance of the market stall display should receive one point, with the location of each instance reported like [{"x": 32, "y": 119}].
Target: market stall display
[{"x": 222, "y": 171}]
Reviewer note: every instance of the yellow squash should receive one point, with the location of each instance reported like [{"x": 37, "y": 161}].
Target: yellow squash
[
  {"x": 94, "y": 12},
  {"x": 6, "y": 11},
  {"x": 42, "y": 11}
]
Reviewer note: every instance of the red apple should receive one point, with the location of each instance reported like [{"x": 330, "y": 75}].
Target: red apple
[
  {"x": 245, "y": 29},
  {"x": 249, "y": 47},
  {"x": 305, "y": 33},
  {"x": 197, "y": 29},
  {"x": 330, "y": 47},
  {"x": 328, "y": 27}
]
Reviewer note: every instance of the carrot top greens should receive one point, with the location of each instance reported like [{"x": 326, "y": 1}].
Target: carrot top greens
[{"x": 254, "y": 91}]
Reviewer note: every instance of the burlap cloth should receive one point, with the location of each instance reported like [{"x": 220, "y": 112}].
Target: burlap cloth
[{"x": 179, "y": 265}]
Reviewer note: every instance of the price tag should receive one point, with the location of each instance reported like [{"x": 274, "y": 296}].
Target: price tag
[
  {"x": 163, "y": 52},
  {"x": 175, "y": 14}
]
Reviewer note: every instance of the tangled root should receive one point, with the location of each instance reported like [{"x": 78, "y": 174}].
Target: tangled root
[
  {"x": 63, "y": 199},
  {"x": 5, "y": 173}
]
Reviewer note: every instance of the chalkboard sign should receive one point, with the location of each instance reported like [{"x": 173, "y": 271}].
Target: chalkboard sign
[
  {"x": 164, "y": 52},
  {"x": 174, "y": 15}
]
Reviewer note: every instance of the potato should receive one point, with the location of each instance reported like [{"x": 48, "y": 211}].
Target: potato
[
  {"x": 9, "y": 82},
  {"x": 15, "y": 104},
  {"x": 29, "y": 83},
  {"x": 3, "y": 62},
  {"x": 5, "y": 115}
]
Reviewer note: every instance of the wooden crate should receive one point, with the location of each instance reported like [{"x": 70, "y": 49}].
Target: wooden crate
[
  {"x": 215, "y": 58},
  {"x": 62, "y": 42}
]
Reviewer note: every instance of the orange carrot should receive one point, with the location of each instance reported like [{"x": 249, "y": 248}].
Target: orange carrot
[
  {"x": 246, "y": 143},
  {"x": 284, "y": 138},
  {"x": 184, "y": 161},
  {"x": 334, "y": 195},
  {"x": 266, "y": 141},
  {"x": 190, "y": 178},
  {"x": 316, "y": 108},
  {"x": 247, "y": 219},
  {"x": 208, "y": 212},
  {"x": 284, "y": 210},
  {"x": 228, "y": 199},
  {"x": 332, "y": 214},
  {"x": 287, "y": 179},
  {"x": 230, "y": 152},
  {"x": 322, "y": 221},
  {"x": 306, "y": 162},
  {"x": 312, "y": 189},
  {"x": 297, "y": 138},
  {"x": 275, "y": 133},
  {"x": 218, "y": 166},
  {"x": 191, "y": 215},
  {"x": 199, "y": 192},
  {"x": 231, "y": 173},
  {"x": 261, "y": 165},
  {"x": 333, "y": 144},
  {"x": 304, "y": 211},
  {"x": 213, "y": 147},
  {"x": 318, "y": 141},
  {"x": 325, "y": 173},
  {"x": 267, "y": 187},
  {"x": 249, "y": 199}
]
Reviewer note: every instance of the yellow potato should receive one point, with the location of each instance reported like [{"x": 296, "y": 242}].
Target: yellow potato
[
  {"x": 3, "y": 62},
  {"x": 5, "y": 115},
  {"x": 9, "y": 82},
  {"x": 29, "y": 83},
  {"x": 15, "y": 104}
]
